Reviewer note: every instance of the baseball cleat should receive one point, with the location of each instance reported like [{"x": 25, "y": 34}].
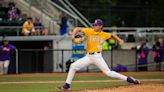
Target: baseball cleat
[
  {"x": 62, "y": 89},
  {"x": 66, "y": 87},
  {"x": 132, "y": 80}
]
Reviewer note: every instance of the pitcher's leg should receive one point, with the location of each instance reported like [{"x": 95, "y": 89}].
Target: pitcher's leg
[
  {"x": 101, "y": 64},
  {"x": 77, "y": 65}
]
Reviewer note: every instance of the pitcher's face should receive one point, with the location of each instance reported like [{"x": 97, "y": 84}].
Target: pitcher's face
[{"x": 97, "y": 28}]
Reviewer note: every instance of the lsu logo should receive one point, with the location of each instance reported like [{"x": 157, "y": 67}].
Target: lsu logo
[{"x": 95, "y": 39}]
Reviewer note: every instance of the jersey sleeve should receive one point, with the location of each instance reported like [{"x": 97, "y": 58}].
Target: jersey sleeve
[
  {"x": 108, "y": 36},
  {"x": 24, "y": 26},
  {"x": 86, "y": 31}
]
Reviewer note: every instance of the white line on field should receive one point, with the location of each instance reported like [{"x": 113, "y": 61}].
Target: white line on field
[{"x": 39, "y": 82}]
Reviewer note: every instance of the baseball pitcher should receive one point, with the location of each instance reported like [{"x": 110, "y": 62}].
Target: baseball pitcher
[{"x": 94, "y": 41}]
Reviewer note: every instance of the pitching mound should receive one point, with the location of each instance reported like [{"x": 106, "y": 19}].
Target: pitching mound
[{"x": 130, "y": 88}]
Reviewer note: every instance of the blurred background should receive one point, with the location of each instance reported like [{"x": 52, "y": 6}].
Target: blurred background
[{"x": 41, "y": 29}]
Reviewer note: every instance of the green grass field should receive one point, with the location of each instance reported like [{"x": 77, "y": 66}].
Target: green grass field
[{"x": 32, "y": 84}]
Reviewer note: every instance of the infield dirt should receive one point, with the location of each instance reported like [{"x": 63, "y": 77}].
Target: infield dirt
[{"x": 130, "y": 88}]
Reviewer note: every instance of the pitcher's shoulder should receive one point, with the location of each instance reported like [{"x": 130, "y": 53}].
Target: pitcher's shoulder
[{"x": 106, "y": 33}]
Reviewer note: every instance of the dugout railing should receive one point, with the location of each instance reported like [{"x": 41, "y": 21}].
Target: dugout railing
[
  {"x": 124, "y": 32},
  {"x": 49, "y": 61}
]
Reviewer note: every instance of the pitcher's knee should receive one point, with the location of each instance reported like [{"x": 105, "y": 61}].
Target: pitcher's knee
[
  {"x": 74, "y": 67},
  {"x": 106, "y": 71},
  {"x": 109, "y": 73}
]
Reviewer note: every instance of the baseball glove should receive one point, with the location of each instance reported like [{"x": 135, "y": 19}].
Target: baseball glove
[{"x": 78, "y": 39}]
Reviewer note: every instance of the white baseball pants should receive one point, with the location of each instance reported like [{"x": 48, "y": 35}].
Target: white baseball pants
[
  {"x": 95, "y": 59},
  {"x": 4, "y": 66}
]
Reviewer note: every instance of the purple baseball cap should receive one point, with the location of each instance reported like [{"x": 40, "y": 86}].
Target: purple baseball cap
[
  {"x": 38, "y": 17},
  {"x": 98, "y": 22}
]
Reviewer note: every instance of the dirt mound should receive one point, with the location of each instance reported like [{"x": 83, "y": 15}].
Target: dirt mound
[{"x": 130, "y": 88}]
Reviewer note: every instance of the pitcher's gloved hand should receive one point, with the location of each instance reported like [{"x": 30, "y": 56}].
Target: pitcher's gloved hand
[{"x": 78, "y": 39}]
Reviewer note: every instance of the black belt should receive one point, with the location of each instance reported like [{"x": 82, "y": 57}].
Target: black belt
[{"x": 93, "y": 53}]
